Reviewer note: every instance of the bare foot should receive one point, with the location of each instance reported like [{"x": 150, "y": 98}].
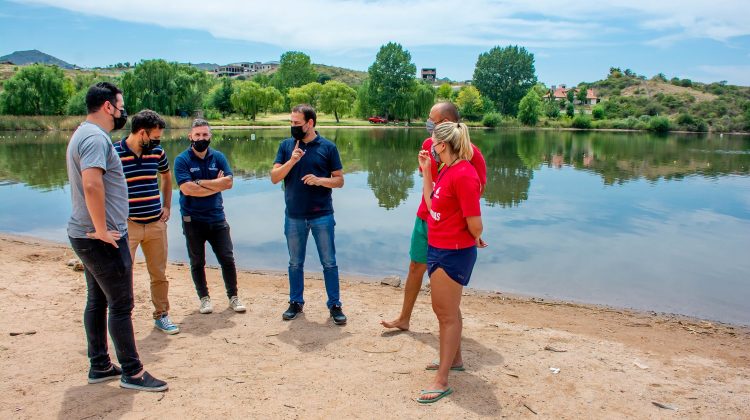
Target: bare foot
[{"x": 396, "y": 323}]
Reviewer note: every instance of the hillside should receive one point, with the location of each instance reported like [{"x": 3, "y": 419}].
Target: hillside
[
  {"x": 348, "y": 76},
  {"x": 35, "y": 56},
  {"x": 691, "y": 106},
  {"x": 655, "y": 87}
]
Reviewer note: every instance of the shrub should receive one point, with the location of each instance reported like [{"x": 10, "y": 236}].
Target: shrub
[
  {"x": 552, "y": 109},
  {"x": 659, "y": 124},
  {"x": 598, "y": 112},
  {"x": 492, "y": 119},
  {"x": 582, "y": 121}
]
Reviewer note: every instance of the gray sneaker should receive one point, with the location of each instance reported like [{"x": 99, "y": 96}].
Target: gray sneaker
[
  {"x": 206, "y": 307},
  {"x": 236, "y": 304}
]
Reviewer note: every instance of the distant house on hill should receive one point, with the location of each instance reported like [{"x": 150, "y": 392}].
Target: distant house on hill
[
  {"x": 429, "y": 75},
  {"x": 245, "y": 68},
  {"x": 558, "y": 93}
]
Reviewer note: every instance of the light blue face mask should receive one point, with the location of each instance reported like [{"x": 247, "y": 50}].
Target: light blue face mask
[
  {"x": 435, "y": 154},
  {"x": 429, "y": 125}
]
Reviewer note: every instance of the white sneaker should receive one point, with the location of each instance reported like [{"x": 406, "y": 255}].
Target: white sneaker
[
  {"x": 236, "y": 304},
  {"x": 206, "y": 307}
]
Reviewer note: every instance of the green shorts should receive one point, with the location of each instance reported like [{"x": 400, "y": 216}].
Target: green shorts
[{"x": 418, "y": 249}]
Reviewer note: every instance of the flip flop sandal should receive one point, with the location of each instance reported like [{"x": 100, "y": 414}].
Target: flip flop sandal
[
  {"x": 435, "y": 364},
  {"x": 441, "y": 393}
]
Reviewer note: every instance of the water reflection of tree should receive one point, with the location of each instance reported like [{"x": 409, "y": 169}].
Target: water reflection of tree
[
  {"x": 389, "y": 156},
  {"x": 35, "y": 159},
  {"x": 390, "y": 159},
  {"x": 508, "y": 177}
]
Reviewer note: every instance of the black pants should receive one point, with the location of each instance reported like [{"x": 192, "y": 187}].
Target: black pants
[
  {"x": 109, "y": 281},
  {"x": 216, "y": 234}
]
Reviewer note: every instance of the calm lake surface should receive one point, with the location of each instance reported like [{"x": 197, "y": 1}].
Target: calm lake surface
[{"x": 622, "y": 219}]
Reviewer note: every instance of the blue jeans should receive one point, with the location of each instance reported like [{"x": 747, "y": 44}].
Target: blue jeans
[
  {"x": 109, "y": 284},
  {"x": 297, "y": 232}
]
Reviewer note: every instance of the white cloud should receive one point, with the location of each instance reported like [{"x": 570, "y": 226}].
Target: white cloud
[{"x": 346, "y": 25}]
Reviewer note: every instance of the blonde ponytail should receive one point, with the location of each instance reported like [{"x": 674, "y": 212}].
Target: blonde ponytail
[{"x": 456, "y": 135}]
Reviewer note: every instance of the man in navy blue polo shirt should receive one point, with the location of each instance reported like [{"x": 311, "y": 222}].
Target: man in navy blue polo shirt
[
  {"x": 310, "y": 167},
  {"x": 202, "y": 174}
]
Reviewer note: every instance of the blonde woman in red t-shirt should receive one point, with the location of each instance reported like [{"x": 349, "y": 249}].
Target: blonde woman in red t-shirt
[{"x": 454, "y": 231}]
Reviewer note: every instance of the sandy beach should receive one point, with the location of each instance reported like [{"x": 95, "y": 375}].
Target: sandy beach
[{"x": 612, "y": 363}]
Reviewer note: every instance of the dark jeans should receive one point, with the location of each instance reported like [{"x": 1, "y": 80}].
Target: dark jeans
[
  {"x": 217, "y": 234},
  {"x": 109, "y": 280}
]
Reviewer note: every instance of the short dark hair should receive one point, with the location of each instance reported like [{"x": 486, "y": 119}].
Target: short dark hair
[
  {"x": 147, "y": 120},
  {"x": 100, "y": 93},
  {"x": 308, "y": 111}
]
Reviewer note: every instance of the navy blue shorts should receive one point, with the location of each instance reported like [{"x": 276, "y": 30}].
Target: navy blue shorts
[{"x": 457, "y": 263}]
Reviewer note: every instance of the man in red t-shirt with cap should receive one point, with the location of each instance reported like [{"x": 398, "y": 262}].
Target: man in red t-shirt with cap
[{"x": 440, "y": 112}]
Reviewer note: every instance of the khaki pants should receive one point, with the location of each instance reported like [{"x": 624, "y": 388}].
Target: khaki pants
[{"x": 153, "y": 240}]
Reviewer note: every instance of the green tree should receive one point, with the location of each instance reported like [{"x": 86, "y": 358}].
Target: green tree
[
  {"x": 192, "y": 85},
  {"x": 570, "y": 109},
  {"x": 363, "y": 107},
  {"x": 77, "y": 103},
  {"x": 598, "y": 112},
  {"x": 582, "y": 93},
  {"x": 552, "y": 109},
  {"x": 36, "y": 90},
  {"x": 391, "y": 78},
  {"x": 295, "y": 70},
  {"x": 263, "y": 79},
  {"x": 571, "y": 96},
  {"x": 444, "y": 92},
  {"x": 424, "y": 99},
  {"x": 469, "y": 103},
  {"x": 221, "y": 97},
  {"x": 248, "y": 98},
  {"x": 167, "y": 88},
  {"x": 505, "y": 75},
  {"x": 306, "y": 94},
  {"x": 337, "y": 98},
  {"x": 272, "y": 100},
  {"x": 530, "y": 108}
]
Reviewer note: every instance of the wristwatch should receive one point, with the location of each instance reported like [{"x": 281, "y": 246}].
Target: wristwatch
[{"x": 198, "y": 182}]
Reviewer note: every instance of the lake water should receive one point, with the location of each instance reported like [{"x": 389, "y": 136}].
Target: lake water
[{"x": 622, "y": 219}]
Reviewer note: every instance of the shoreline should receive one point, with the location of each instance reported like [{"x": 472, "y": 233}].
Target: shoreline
[
  {"x": 556, "y": 359},
  {"x": 365, "y": 279},
  {"x": 391, "y": 127}
]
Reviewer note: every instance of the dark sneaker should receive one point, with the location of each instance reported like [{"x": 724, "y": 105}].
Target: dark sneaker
[
  {"x": 338, "y": 315},
  {"x": 291, "y": 313},
  {"x": 98, "y": 376},
  {"x": 145, "y": 383}
]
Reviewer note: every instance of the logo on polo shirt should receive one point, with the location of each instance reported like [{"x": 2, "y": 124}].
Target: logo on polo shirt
[{"x": 195, "y": 169}]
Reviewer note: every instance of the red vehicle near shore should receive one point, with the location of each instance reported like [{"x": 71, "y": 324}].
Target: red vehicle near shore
[{"x": 377, "y": 120}]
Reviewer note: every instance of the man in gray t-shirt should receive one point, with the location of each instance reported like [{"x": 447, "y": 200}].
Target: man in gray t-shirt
[
  {"x": 98, "y": 234},
  {"x": 91, "y": 147}
]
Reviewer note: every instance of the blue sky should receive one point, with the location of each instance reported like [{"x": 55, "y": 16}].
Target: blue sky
[{"x": 573, "y": 41}]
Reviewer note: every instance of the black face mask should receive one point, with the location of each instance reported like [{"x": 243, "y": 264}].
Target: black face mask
[
  {"x": 297, "y": 132},
  {"x": 200, "y": 146},
  {"x": 121, "y": 120},
  {"x": 150, "y": 145}
]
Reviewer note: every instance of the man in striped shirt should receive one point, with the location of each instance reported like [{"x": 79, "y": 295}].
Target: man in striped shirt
[{"x": 143, "y": 161}]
